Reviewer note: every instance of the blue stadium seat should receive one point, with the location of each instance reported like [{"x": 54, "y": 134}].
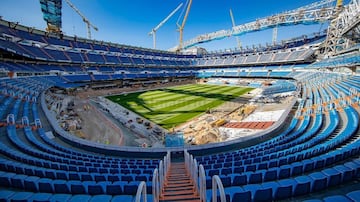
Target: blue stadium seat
[
  {"x": 319, "y": 181},
  {"x": 96, "y": 189},
  {"x": 40, "y": 197},
  {"x": 313, "y": 200},
  {"x": 80, "y": 197},
  {"x": 122, "y": 198},
  {"x": 61, "y": 187},
  {"x": 5, "y": 179},
  {"x": 284, "y": 171},
  {"x": 131, "y": 188},
  {"x": 17, "y": 181},
  {"x": 102, "y": 198},
  {"x": 60, "y": 197},
  {"x": 226, "y": 180},
  {"x": 354, "y": 195},
  {"x": 255, "y": 177},
  {"x": 270, "y": 174},
  {"x": 334, "y": 176},
  {"x": 238, "y": 180},
  {"x": 5, "y": 195},
  {"x": 238, "y": 194},
  {"x": 31, "y": 183},
  {"x": 285, "y": 189},
  {"x": 273, "y": 186},
  {"x": 73, "y": 176},
  {"x": 302, "y": 185},
  {"x": 259, "y": 193},
  {"x": 346, "y": 172},
  {"x": 115, "y": 189},
  {"x": 76, "y": 187},
  {"x": 296, "y": 168},
  {"x": 45, "y": 185},
  {"x": 21, "y": 196},
  {"x": 336, "y": 198}
]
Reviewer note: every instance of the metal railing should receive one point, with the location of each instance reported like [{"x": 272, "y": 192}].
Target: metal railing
[
  {"x": 141, "y": 191},
  {"x": 155, "y": 186},
  {"x": 159, "y": 176},
  {"x": 202, "y": 183},
  {"x": 217, "y": 184},
  {"x": 197, "y": 173},
  {"x": 192, "y": 166},
  {"x": 10, "y": 119}
]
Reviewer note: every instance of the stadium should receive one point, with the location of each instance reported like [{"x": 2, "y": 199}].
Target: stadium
[{"x": 89, "y": 120}]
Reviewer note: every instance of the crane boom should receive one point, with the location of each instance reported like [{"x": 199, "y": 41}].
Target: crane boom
[
  {"x": 181, "y": 28},
  {"x": 86, "y": 21},
  {"x": 153, "y": 31},
  {"x": 233, "y": 25}
]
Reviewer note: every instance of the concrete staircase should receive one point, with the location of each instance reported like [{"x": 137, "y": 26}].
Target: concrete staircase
[{"x": 178, "y": 185}]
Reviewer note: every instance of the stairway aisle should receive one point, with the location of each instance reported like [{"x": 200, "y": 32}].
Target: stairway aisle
[{"x": 178, "y": 185}]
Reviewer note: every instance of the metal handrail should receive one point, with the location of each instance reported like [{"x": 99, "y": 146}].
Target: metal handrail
[
  {"x": 155, "y": 186},
  {"x": 25, "y": 121},
  {"x": 161, "y": 174},
  {"x": 38, "y": 123},
  {"x": 186, "y": 159},
  {"x": 193, "y": 168},
  {"x": 195, "y": 173},
  {"x": 202, "y": 183},
  {"x": 217, "y": 184},
  {"x": 10, "y": 119},
  {"x": 141, "y": 191}
]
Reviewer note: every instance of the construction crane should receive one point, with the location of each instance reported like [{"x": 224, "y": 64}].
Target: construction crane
[
  {"x": 153, "y": 31},
  {"x": 314, "y": 13},
  {"x": 233, "y": 25},
  {"x": 86, "y": 21},
  {"x": 181, "y": 27},
  {"x": 274, "y": 36}
]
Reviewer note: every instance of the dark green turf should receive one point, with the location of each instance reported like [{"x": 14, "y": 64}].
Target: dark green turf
[{"x": 173, "y": 106}]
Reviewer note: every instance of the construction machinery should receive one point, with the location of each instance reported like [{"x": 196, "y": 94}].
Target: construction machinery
[
  {"x": 89, "y": 25},
  {"x": 233, "y": 25},
  {"x": 318, "y": 12},
  {"x": 153, "y": 31},
  {"x": 51, "y": 10},
  {"x": 181, "y": 27}
]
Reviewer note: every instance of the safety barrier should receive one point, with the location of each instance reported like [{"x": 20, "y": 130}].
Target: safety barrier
[
  {"x": 217, "y": 184},
  {"x": 202, "y": 183},
  {"x": 159, "y": 176},
  {"x": 141, "y": 191}
]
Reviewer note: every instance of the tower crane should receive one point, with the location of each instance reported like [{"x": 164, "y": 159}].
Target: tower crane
[
  {"x": 86, "y": 21},
  {"x": 233, "y": 25},
  {"x": 153, "y": 31},
  {"x": 181, "y": 27}
]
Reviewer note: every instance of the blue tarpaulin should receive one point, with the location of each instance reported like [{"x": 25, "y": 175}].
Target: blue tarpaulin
[{"x": 174, "y": 140}]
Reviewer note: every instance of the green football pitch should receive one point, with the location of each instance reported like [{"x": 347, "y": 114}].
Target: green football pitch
[{"x": 173, "y": 106}]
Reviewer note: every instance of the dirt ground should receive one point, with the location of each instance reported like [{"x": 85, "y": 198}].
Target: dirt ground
[{"x": 95, "y": 126}]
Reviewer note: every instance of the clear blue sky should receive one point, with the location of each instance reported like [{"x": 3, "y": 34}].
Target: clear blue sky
[{"x": 129, "y": 21}]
